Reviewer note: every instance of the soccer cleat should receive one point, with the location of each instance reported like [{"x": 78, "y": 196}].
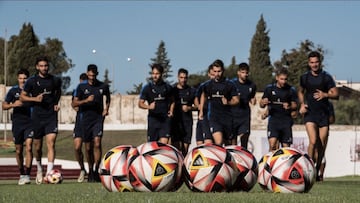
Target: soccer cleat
[
  {"x": 39, "y": 177},
  {"x": 97, "y": 177},
  {"x": 81, "y": 176},
  {"x": 24, "y": 179},
  {"x": 91, "y": 178}
]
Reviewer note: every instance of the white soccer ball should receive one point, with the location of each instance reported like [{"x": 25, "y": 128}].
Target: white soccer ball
[
  {"x": 157, "y": 167},
  {"x": 54, "y": 177}
]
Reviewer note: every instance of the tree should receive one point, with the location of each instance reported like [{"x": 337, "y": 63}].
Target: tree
[
  {"x": 161, "y": 58},
  {"x": 296, "y": 60},
  {"x": 259, "y": 60},
  {"x": 108, "y": 81},
  {"x": 137, "y": 89},
  {"x": 23, "y": 49},
  {"x": 231, "y": 70}
]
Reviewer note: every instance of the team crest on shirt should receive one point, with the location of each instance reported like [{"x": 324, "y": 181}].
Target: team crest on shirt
[
  {"x": 17, "y": 95},
  {"x": 38, "y": 83},
  {"x": 250, "y": 89},
  {"x": 86, "y": 91},
  {"x": 101, "y": 91},
  {"x": 273, "y": 92}
]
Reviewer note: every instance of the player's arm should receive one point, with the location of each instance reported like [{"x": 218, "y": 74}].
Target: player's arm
[
  {"x": 24, "y": 97},
  {"x": 301, "y": 98},
  {"x": 201, "y": 105},
  {"x": 7, "y": 105},
  {"x": 76, "y": 102},
  {"x": 233, "y": 101},
  {"x": 107, "y": 102},
  {"x": 172, "y": 106}
]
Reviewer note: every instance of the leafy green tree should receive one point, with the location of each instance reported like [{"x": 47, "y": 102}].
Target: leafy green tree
[
  {"x": 231, "y": 70},
  {"x": 137, "y": 89},
  {"x": 161, "y": 58},
  {"x": 259, "y": 60},
  {"x": 195, "y": 80},
  {"x": 347, "y": 111},
  {"x": 296, "y": 60},
  {"x": 23, "y": 49}
]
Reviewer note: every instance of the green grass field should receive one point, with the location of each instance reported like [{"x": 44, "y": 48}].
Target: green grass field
[
  {"x": 345, "y": 189},
  {"x": 342, "y": 189}
]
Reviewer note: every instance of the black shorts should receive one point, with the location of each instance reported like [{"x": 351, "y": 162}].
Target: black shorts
[
  {"x": 158, "y": 127},
  {"x": 92, "y": 128},
  {"x": 320, "y": 119},
  {"x": 181, "y": 130},
  {"x": 44, "y": 125},
  {"x": 280, "y": 130},
  {"x": 78, "y": 131},
  {"x": 223, "y": 125},
  {"x": 22, "y": 131},
  {"x": 203, "y": 130},
  {"x": 241, "y": 126}
]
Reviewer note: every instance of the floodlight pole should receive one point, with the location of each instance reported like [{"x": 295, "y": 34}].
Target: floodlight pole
[{"x": 5, "y": 78}]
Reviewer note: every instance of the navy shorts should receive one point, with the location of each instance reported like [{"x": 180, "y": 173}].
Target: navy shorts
[
  {"x": 44, "y": 125},
  {"x": 92, "y": 128},
  {"x": 241, "y": 126},
  {"x": 221, "y": 125},
  {"x": 78, "y": 132},
  {"x": 320, "y": 119},
  {"x": 203, "y": 130},
  {"x": 181, "y": 130},
  {"x": 281, "y": 131},
  {"x": 158, "y": 127},
  {"x": 22, "y": 131}
]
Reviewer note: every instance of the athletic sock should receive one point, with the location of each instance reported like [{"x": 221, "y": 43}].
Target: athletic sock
[{"x": 50, "y": 166}]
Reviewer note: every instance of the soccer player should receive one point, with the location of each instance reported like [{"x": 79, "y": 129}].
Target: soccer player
[
  {"x": 44, "y": 91},
  {"x": 316, "y": 88},
  {"x": 89, "y": 97},
  {"x": 157, "y": 98},
  {"x": 203, "y": 134},
  {"x": 221, "y": 95},
  {"x": 21, "y": 126},
  {"x": 78, "y": 134},
  {"x": 281, "y": 99},
  {"x": 182, "y": 121},
  {"x": 241, "y": 113}
]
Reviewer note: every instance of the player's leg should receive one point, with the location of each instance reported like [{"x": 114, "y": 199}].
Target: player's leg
[
  {"x": 90, "y": 159},
  {"x": 79, "y": 156},
  {"x": 323, "y": 134},
  {"x": 273, "y": 144},
  {"x": 244, "y": 139},
  {"x": 51, "y": 152},
  {"x": 97, "y": 157},
  {"x": 37, "y": 142},
  {"x": 312, "y": 132},
  {"x": 28, "y": 159}
]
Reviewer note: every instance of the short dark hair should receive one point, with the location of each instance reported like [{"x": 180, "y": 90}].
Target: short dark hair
[
  {"x": 243, "y": 66},
  {"x": 158, "y": 67},
  {"x": 183, "y": 70},
  {"x": 315, "y": 54},
  {"x": 23, "y": 71},
  {"x": 83, "y": 76},
  {"x": 282, "y": 71},
  {"x": 93, "y": 68},
  {"x": 41, "y": 58},
  {"x": 218, "y": 63}
]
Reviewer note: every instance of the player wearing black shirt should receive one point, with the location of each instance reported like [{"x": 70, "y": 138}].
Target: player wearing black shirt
[
  {"x": 21, "y": 126},
  {"x": 316, "y": 88},
  {"x": 44, "y": 91},
  {"x": 221, "y": 95},
  {"x": 182, "y": 121},
  {"x": 157, "y": 98},
  {"x": 90, "y": 98},
  {"x": 241, "y": 113},
  {"x": 281, "y": 100}
]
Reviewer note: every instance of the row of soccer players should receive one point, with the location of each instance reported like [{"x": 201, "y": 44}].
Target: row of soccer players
[{"x": 223, "y": 107}]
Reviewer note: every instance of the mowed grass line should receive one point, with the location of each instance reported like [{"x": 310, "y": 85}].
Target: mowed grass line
[{"x": 333, "y": 190}]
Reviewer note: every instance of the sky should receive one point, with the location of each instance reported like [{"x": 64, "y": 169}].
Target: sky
[{"x": 126, "y": 34}]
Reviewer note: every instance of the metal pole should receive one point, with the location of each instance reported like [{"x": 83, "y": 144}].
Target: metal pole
[{"x": 5, "y": 78}]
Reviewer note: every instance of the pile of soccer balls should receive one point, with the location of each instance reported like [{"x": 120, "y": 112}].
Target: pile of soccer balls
[{"x": 155, "y": 167}]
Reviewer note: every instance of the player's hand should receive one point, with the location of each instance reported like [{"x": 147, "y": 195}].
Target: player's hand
[
  {"x": 39, "y": 98},
  {"x": 224, "y": 101},
  {"x": 105, "y": 112},
  {"x": 286, "y": 105},
  {"x": 17, "y": 103},
  {"x": 319, "y": 95},
  {"x": 56, "y": 108},
  {"x": 201, "y": 115},
  {"x": 170, "y": 114},
  {"x": 90, "y": 98},
  {"x": 264, "y": 101},
  {"x": 152, "y": 105},
  {"x": 185, "y": 108},
  {"x": 303, "y": 109}
]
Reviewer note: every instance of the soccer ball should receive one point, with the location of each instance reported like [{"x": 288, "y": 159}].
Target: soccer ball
[
  {"x": 209, "y": 168},
  {"x": 291, "y": 171},
  {"x": 114, "y": 168},
  {"x": 263, "y": 175},
  {"x": 54, "y": 177},
  {"x": 157, "y": 167},
  {"x": 247, "y": 166}
]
